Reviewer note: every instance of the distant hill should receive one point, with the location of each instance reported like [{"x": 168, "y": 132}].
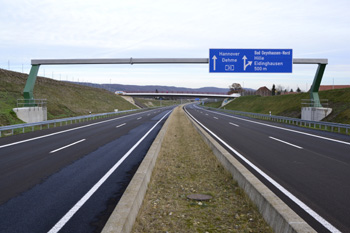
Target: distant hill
[{"x": 131, "y": 88}]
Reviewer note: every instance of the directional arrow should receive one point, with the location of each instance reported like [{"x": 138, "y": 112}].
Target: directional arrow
[
  {"x": 246, "y": 65},
  {"x": 214, "y": 60}
]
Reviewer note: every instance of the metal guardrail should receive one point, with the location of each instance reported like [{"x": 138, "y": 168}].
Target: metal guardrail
[
  {"x": 295, "y": 121},
  {"x": 11, "y": 128},
  {"x": 312, "y": 103},
  {"x": 30, "y": 103}
]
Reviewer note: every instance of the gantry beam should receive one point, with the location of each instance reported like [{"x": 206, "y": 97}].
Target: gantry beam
[{"x": 28, "y": 90}]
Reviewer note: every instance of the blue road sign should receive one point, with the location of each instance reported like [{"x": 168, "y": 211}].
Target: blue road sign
[{"x": 251, "y": 60}]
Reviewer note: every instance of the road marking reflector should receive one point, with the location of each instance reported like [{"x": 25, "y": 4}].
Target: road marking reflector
[{"x": 67, "y": 146}]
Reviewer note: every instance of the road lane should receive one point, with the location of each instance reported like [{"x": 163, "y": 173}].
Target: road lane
[
  {"x": 26, "y": 162},
  {"x": 317, "y": 174},
  {"x": 40, "y": 206}
]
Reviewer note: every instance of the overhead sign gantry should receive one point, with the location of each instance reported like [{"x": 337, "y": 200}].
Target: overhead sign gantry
[{"x": 29, "y": 87}]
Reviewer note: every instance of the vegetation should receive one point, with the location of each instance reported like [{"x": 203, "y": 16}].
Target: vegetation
[
  {"x": 290, "y": 105},
  {"x": 148, "y": 102},
  {"x": 187, "y": 167},
  {"x": 63, "y": 99}
]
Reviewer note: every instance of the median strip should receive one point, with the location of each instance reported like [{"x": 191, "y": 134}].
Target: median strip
[{"x": 185, "y": 166}]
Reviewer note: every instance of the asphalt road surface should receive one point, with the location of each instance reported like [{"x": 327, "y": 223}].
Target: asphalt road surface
[
  {"x": 308, "y": 169},
  {"x": 69, "y": 179}
]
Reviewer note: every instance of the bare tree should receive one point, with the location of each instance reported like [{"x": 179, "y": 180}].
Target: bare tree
[{"x": 235, "y": 88}]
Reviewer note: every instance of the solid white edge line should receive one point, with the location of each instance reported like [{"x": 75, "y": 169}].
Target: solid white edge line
[
  {"x": 290, "y": 130},
  {"x": 302, "y": 205},
  {"x": 233, "y": 124},
  {"x": 279, "y": 140},
  {"x": 120, "y": 125},
  {"x": 58, "y": 226},
  {"x": 68, "y": 130},
  {"x": 67, "y": 146}
]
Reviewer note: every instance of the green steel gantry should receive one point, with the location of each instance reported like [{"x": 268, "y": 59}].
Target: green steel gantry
[{"x": 29, "y": 87}]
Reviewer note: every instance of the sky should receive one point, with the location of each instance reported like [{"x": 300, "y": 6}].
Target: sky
[{"x": 66, "y": 29}]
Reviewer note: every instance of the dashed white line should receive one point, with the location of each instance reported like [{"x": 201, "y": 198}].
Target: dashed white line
[
  {"x": 233, "y": 124},
  {"x": 58, "y": 226},
  {"x": 310, "y": 211},
  {"x": 139, "y": 118},
  {"x": 67, "y": 130},
  {"x": 279, "y": 140},
  {"x": 216, "y": 118},
  {"x": 67, "y": 146},
  {"x": 121, "y": 125},
  {"x": 290, "y": 130}
]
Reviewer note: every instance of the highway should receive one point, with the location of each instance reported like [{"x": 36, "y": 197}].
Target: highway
[
  {"x": 308, "y": 169},
  {"x": 70, "y": 178}
]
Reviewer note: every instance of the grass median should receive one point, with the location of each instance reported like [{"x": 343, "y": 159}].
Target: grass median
[{"x": 185, "y": 166}]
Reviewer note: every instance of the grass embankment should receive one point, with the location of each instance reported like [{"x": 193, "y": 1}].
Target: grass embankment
[
  {"x": 63, "y": 99},
  {"x": 156, "y": 103},
  {"x": 290, "y": 105},
  {"x": 186, "y": 165}
]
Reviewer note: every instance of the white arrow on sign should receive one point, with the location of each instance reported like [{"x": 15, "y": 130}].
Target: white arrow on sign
[
  {"x": 246, "y": 65},
  {"x": 214, "y": 60}
]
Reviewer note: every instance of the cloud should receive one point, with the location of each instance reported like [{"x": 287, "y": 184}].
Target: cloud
[{"x": 175, "y": 28}]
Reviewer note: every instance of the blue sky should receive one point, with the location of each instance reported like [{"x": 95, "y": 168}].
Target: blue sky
[{"x": 50, "y": 29}]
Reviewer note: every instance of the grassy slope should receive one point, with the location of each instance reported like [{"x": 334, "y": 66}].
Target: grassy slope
[
  {"x": 64, "y": 99},
  {"x": 156, "y": 103},
  {"x": 290, "y": 105}
]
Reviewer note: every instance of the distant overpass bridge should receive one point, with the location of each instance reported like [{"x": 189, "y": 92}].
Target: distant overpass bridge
[{"x": 179, "y": 94}]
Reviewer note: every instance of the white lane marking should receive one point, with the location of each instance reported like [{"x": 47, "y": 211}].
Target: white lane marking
[
  {"x": 67, "y": 146},
  {"x": 58, "y": 226},
  {"x": 139, "y": 118},
  {"x": 206, "y": 114},
  {"x": 148, "y": 114},
  {"x": 311, "y": 212},
  {"x": 215, "y": 118},
  {"x": 279, "y": 140},
  {"x": 290, "y": 130},
  {"x": 121, "y": 125},
  {"x": 68, "y": 130},
  {"x": 233, "y": 124}
]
